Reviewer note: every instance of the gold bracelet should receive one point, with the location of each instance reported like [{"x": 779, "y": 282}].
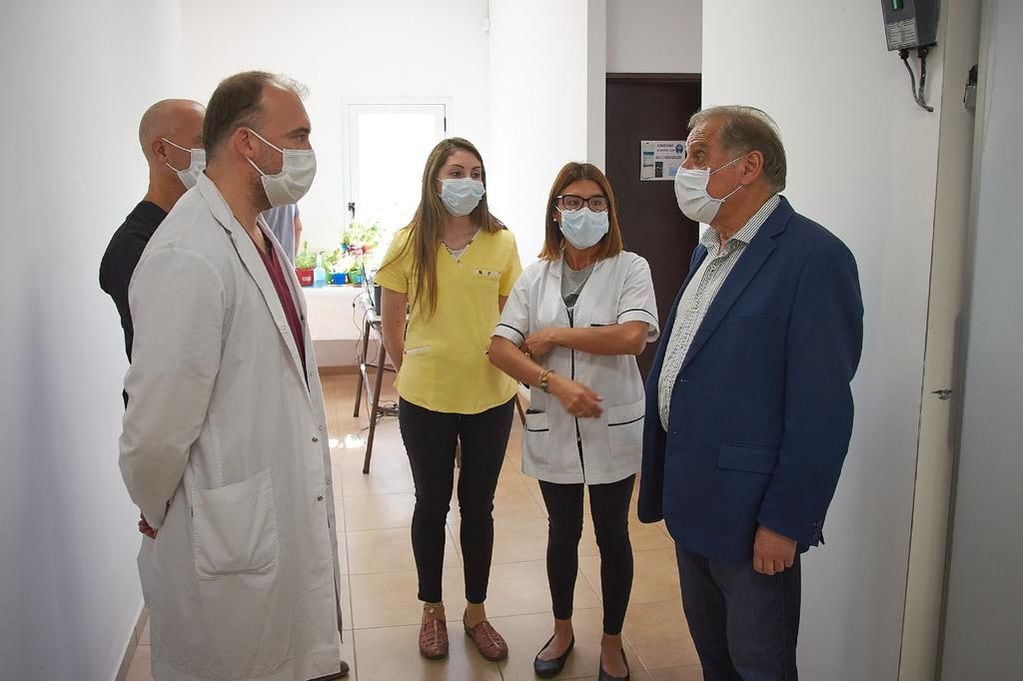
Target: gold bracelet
[{"x": 545, "y": 380}]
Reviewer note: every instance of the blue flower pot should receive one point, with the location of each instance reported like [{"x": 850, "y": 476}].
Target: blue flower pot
[{"x": 339, "y": 278}]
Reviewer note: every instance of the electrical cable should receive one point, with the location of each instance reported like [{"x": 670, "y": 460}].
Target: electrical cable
[
  {"x": 921, "y": 52},
  {"x": 917, "y": 94}
]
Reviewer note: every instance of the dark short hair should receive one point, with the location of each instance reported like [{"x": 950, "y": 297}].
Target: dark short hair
[
  {"x": 238, "y": 102},
  {"x": 745, "y": 129}
]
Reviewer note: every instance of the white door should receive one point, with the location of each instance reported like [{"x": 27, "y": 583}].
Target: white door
[
  {"x": 942, "y": 388},
  {"x": 984, "y": 621}
]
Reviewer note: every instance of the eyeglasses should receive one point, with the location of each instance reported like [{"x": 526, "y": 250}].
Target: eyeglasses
[{"x": 598, "y": 204}]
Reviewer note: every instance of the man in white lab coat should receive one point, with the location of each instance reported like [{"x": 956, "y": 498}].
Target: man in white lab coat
[{"x": 225, "y": 446}]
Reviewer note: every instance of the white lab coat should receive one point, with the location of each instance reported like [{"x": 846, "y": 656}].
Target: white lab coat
[
  {"x": 556, "y": 447},
  {"x": 225, "y": 450}
]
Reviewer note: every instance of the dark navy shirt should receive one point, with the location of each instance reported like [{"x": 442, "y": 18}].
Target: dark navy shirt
[{"x": 121, "y": 257}]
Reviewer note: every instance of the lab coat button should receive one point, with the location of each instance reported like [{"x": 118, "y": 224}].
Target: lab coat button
[
  {"x": 319, "y": 498},
  {"x": 315, "y": 439}
]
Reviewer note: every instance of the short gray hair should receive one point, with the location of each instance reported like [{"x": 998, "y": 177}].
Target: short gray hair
[{"x": 745, "y": 129}]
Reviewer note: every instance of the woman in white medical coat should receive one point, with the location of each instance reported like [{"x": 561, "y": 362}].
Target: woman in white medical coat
[{"x": 571, "y": 329}]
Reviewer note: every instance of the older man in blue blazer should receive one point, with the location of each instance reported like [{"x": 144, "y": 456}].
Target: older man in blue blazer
[{"x": 749, "y": 410}]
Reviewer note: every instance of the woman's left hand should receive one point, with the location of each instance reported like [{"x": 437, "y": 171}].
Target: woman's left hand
[{"x": 540, "y": 343}]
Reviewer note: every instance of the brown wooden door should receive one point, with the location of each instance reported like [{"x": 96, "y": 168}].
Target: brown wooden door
[{"x": 651, "y": 107}]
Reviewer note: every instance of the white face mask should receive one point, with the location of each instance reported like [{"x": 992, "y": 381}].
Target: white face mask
[
  {"x": 583, "y": 228},
  {"x": 691, "y": 192},
  {"x": 295, "y": 178},
  {"x": 189, "y": 175},
  {"x": 461, "y": 195}
]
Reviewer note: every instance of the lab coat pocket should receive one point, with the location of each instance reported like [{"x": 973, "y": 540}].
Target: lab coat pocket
[
  {"x": 625, "y": 424},
  {"x": 235, "y": 528},
  {"x": 536, "y": 438}
]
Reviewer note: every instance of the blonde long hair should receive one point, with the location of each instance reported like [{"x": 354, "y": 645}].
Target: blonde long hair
[{"x": 424, "y": 237}]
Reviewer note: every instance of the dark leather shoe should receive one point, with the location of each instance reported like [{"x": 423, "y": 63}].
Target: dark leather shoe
[
  {"x": 604, "y": 676},
  {"x": 548, "y": 669}
]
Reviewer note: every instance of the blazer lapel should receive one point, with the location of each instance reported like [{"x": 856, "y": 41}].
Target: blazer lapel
[
  {"x": 757, "y": 252},
  {"x": 253, "y": 264}
]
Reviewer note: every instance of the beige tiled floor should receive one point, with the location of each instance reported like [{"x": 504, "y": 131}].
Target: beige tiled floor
[{"x": 380, "y": 607}]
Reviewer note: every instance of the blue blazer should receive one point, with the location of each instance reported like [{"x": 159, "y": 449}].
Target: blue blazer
[{"x": 761, "y": 412}]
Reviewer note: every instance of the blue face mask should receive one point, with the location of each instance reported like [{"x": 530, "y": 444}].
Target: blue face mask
[
  {"x": 461, "y": 195},
  {"x": 583, "y": 228}
]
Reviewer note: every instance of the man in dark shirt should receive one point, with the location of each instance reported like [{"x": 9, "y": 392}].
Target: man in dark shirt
[{"x": 171, "y": 137}]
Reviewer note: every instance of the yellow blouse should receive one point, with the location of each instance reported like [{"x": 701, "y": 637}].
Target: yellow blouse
[{"x": 445, "y": 367}]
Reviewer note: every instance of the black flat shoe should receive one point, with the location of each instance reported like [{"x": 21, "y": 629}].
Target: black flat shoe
[
  {"x": 548, "y": 669},
  {"x": 604, "y": 676}
]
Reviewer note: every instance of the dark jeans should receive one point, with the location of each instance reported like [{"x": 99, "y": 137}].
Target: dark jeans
[
  {"x": 609, "y": 508},
  {"x": 744, "y": 624},
  {"x": 430, "y": 438}
]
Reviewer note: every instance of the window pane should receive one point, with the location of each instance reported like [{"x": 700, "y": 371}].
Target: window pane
[{"x": 391, "y": 147}]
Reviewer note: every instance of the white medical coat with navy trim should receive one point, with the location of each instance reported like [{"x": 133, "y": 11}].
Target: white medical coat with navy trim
[{"x": 556, "y": 446}]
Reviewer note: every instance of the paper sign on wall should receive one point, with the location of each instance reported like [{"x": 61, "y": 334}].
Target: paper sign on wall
[{"x": 660, "y": 159}]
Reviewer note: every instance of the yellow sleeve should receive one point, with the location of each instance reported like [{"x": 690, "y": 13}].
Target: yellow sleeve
[
  {"x": 513, "y": 268},
  {"x": 394, "y": 274}
]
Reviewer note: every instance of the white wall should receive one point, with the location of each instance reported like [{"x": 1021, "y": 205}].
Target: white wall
[
  {"x": 77, "y": 78},
  {"x": 346, "y": 49},
  {"x": 654, "y": 36},
  {"x": 862, "y": 159},
  {"x": 985, "y": 601},
  {"x": 542, "y": 113}
]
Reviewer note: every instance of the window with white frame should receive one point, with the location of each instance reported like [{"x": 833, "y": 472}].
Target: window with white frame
[{"x": 388, "y": 143}]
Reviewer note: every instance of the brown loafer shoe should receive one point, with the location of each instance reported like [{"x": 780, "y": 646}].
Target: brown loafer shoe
[
  {"x": 490, "y": 643},
  {"x": 433, "y": 638}
]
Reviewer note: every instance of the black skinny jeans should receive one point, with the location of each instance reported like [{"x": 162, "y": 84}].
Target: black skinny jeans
[
  {"x": 609, "y": 508},
  {"x": 430, "y": 438}
]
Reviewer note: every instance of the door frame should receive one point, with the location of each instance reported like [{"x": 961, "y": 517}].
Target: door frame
[{"x": 938, "y": 439}]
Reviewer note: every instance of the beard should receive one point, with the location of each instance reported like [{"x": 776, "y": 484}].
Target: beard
[
  {"x": 267, "y": 162},
  {"x": 257, "y": 195}
]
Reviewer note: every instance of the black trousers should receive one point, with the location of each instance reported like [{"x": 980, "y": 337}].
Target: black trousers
[
  {"x": 430, "y": 438},
  {"x": 609, "y": 508}
]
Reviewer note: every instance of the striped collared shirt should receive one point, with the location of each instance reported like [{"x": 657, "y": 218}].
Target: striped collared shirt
[{"x": 699, "y": 295}]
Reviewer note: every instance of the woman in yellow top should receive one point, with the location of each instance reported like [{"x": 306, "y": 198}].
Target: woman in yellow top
[{"x": 454, "y": 267}]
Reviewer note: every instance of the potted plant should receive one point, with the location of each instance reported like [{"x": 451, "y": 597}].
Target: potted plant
[
  {"x": 355, "y": 272},
  {"x": 329, "y": 259},
  {"x": 340, "y": 267},
  {"x": 360, "y": 236},
  {"x": 305, "y": 261}
]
